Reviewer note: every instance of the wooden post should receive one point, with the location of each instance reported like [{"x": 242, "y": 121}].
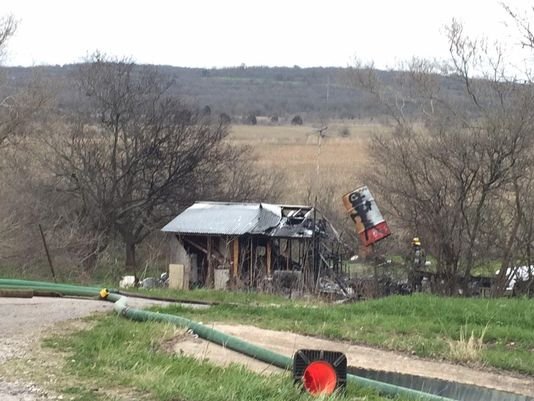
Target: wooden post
[
  {"x": 211, "y": 273},
  {"x": 251, "y": 265},
  {"x": 236, "y": 258},
  {"x": 290, "y": 245},
  {"x": 268, "y": 250},
  {"x": 48, "y": 254}
]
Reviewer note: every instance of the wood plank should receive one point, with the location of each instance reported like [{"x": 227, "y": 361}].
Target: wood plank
[
  {"x": 268, "y": 251},
  {"x": 214, "y": 253},
  {"x": 210, "y": 277},
  {"x": 251, "y": 264},
  {"x": 236, "y": 257}
]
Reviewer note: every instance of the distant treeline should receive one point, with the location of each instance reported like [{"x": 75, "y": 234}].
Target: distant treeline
[{"x": 276, "y": 92}]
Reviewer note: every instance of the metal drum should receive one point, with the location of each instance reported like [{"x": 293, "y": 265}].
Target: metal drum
[{"x": 370, "y": 225}]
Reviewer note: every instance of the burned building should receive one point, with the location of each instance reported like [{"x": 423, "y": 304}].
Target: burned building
[{"x": 253, "y": 245}]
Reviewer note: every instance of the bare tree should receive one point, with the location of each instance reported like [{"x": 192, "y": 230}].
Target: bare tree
[
  {"x": 26, "y": 196},
  {"x": 450, "y": 164},
  {"x": 8, "y": 26},
  {"x": 20, "y": 111},
  {"x": 242, "y": 180},
  {"x": 18, "y": 107},
  {"x": 134, "y": 155}
]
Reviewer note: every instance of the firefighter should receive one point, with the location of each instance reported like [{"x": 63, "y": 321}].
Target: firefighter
[{"x": 417, "y": 261}]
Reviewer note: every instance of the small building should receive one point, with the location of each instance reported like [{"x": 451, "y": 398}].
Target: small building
[{"x": 253, "y": 245}]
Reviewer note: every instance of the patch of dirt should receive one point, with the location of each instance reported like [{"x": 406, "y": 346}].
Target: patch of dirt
[
  {"x": 19, "y": 391},
  {"x": 27, "y": 372},
  {"x": 187, "y": 343},
  {"x": 287, "y": 343}
]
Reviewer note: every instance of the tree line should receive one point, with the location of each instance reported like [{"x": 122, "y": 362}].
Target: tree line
[
  {"x": 459, "y": 173},
  {"x": 279, "y": 93}
]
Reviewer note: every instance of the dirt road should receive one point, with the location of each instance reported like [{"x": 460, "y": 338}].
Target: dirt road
[{"x": 24, "y": 320}]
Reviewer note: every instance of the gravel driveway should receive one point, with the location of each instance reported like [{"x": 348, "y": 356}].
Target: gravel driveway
[{"x": 24, "y": 320}]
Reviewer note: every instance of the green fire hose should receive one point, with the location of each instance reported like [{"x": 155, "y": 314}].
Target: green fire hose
[{"x": 204, "y": 332}]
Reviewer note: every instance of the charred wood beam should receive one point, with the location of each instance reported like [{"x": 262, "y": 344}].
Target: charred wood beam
[
  {"x": 268, "y": 256},
  {"x": 324, "y": 260},
  {"x": 210, "y": 280},
  {"x": 336, "y": 278},
  {"x": 251, "y": 263},
  {"x": 236, "y": 257},
  {"x": 214, "y": 253}
]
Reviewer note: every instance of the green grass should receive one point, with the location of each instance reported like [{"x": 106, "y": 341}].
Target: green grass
[
  {"x": 421, "y": 324},
  {"x": 32, "y": 272},
  {"x": 233, "y": 297},
  {"x": 64, "y": 274},
  {"x": 117, "y": 355}
]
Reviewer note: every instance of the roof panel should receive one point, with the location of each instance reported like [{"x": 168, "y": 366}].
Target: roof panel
[{"x": 226, "y": 219}]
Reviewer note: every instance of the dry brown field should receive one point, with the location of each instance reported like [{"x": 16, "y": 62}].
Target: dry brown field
[{"x": 333, "y": 166}]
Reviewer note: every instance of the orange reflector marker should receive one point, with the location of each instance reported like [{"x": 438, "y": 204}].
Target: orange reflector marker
[
  {"x": 320, "y": 371},
  {"x": 320, "y": 378}
]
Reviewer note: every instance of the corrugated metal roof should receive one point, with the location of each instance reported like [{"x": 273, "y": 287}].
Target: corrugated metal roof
[{"x": 221, "y": 218}]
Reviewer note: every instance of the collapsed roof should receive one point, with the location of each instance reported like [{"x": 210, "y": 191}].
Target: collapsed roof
[{"x": 228, "y": 218}]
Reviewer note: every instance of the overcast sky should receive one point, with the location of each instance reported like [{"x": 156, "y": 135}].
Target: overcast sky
[{"x": 219, "y": 33}]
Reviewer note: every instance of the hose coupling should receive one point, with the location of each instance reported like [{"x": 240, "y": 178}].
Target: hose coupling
[{"x": 104, "y": 293}]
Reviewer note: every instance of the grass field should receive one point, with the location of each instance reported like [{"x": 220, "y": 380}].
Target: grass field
[
  {"x": 295, "y": 151},
  {"x": 492, "y": 332},
  {"x": 120, "y": 356},
  {"x": 357, "y": 129}
]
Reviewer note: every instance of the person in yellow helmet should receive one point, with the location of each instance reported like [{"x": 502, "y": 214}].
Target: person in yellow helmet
[{"x": 418, "y": 261}]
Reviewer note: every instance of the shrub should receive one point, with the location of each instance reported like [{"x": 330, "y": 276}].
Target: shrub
[
  {"x": 297, "y": 120},
  {"x": 344, "y": 132}
]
